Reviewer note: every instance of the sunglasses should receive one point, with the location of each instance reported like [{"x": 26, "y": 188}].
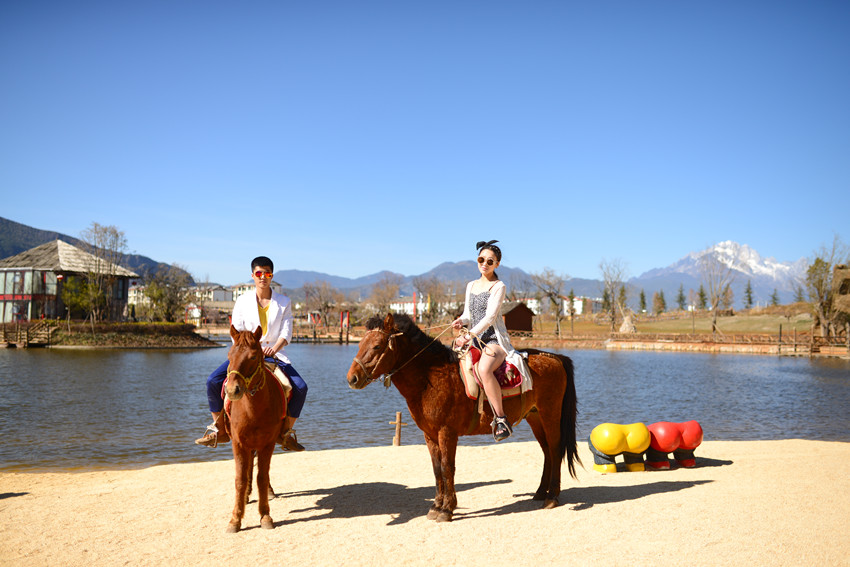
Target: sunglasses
[
  {"x": 489, "y": 261},
  {"x": 260, "y": 275}
]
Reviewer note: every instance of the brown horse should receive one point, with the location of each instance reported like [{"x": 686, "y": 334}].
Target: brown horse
[
  {"x": 255, "y": 421},
  {"x": 426, "y": 373}
]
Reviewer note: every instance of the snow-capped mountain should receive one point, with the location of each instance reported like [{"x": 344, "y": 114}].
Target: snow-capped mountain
[{"x": 764, "y": 274}]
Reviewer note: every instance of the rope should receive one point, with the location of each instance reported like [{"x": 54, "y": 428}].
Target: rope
[{"x": 388, "y": 377}]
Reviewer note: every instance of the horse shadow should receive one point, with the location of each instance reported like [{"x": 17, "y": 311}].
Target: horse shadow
[
  {"x": 584, "y": 498},
  {"x": 401, "y": 502},
  {"x": 5, "y": 495}
]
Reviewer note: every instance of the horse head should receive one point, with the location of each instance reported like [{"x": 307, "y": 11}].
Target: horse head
[
  {"x": 246, "y": 362},
  {"x": 377, "y": 354}
]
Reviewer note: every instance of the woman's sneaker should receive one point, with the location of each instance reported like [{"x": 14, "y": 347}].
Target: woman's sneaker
[{"x": 501, "y": 428}]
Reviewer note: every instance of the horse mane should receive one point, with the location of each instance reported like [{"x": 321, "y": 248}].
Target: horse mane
[{"x": 433, "y": 351}]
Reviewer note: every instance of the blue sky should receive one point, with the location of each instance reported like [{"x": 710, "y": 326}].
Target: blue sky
[{"x": 353, "y": 137}]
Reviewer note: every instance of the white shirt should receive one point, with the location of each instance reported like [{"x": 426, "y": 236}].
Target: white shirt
[{"x": 246, "y": 317}]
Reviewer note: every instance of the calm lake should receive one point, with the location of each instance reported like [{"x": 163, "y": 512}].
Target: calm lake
[{"x": 90, "y": 409}]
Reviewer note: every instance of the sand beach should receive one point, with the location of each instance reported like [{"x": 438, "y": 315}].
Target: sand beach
[{"x": 746, "y": 503}]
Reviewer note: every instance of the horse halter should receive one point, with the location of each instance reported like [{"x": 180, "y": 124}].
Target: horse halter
[
  {"x": 248, "y": 379},
  {"x": 387, "y": 376}
]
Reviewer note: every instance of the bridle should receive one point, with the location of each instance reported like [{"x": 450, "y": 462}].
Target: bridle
[
  {"x": 389, "y": 346},
  {"x": 250, "y": 378}
]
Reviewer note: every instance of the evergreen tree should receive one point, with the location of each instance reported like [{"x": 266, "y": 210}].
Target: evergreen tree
[
  {"x": 799, "y": 294},
  {"x": 659, "y": 305},
  {"x": 748, "y": 295},
  {"x": 702, "y": 298},
  {"x": 642, "y": 301},
  {"x": 774, "y": 298},
  {"x": 680, "y": 297}
]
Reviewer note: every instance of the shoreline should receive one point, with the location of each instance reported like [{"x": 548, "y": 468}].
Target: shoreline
[{"x": 781, "y": 502}]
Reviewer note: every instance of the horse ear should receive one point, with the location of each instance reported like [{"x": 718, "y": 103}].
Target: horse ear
[
  {"x": 233, "y": 332},
  {"x": 389, "y": 323},
  {"x": 258, "y": 333}
]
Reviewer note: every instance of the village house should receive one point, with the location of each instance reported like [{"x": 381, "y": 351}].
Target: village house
[{"x": 31, "y": 283}]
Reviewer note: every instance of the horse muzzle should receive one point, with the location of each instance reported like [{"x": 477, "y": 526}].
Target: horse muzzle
[
  {"x": 233, "y": 390},
  {"x": 358, "y": 377}
]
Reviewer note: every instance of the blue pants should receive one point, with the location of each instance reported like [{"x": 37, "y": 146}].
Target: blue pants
[{"x": 296, "y": 402}]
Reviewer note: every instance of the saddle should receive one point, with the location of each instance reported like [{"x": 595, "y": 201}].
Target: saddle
[
  {"x": 508, "y": 376},
  {"x": 283, "y": 384}
]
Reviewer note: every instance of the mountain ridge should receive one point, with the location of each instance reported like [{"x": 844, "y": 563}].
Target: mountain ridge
[{"x": 764, "y": 274}]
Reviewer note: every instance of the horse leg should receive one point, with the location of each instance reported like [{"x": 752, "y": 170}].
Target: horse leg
[
  {"x": 551, "y": 423},
  {"x": 536, "y": 425},
  {"x": 250, "y": 478},
  {"x": 434, "y": 450},
  {"x": 242, "y": 459},
  {"x": 448, "y": 449},
  {"x": 264, "y": 459}
]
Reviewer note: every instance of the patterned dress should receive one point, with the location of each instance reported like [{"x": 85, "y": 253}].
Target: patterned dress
[{"x": 478, "y": 309}]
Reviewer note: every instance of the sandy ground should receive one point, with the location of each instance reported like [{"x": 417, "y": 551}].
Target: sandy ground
[{"x": 746, "y": 503}]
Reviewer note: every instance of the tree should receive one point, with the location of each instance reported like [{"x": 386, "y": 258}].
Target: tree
[
  {"x": 571, "y": 308},
  {"x": 774, "y": 298},
  {"x": 702, "y": 298},
  {"x": 680, "y": 297},
  {"x": 108, "y": 246},
  {"x": 550, "y": 284},
  {"x": 819, "y": 285},
  {"x": 432, "y": 291},
  {"x": 728, "y": 298},
  {"x": 168, "y": 293},
  {"x": 748, "y": 295},
  {"x": 385, "y": 292},
  {"x": 659, "y": 304},
  {"x": 613, "y": 277},
  {"x": 322, "y": 297},
  {"x": 642, "y": 301},
  {"x": 717, "y": 276},
  {"x": 799, "y": 294}
]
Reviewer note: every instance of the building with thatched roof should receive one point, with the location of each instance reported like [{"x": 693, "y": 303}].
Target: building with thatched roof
[{"x": 31, "y": 282}]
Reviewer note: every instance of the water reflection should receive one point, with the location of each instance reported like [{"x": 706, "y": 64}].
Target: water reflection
[{"x": 129, "y": 408}]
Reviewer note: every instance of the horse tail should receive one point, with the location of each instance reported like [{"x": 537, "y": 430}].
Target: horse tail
[{"x": 568, "y": 447}]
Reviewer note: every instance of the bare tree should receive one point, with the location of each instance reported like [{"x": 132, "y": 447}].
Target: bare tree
[
  {"x": 551, "y": 285},
  {"x": 385, "y": 292},
  {"x": 433, "y": 292},
  {"x": 613, "y": 278},
  {"x": 322, "y": 297},
  {"x": 108, "y": 247},
  {"x": 521, "y": 287},
  {"x": 717, "y": 276},
  {"x": 820, "y": 284}
]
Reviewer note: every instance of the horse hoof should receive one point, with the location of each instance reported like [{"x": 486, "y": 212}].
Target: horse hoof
[
  {"x": 444, "y": 516},
  {"x": 540, "y": 495},
  {"x": 232, "y": 528},
  {"x": 550, "y": 503},
  {"x": 267, "y": 523},
  {"x": 432, "y": 514}
]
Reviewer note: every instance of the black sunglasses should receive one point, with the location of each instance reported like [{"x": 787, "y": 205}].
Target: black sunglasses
[{"x": 489, "y": 261}]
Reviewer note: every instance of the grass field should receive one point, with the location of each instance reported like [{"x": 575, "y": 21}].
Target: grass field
[{"x": 763, "y": 322}]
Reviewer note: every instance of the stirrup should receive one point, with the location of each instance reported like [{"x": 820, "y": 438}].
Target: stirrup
[
  {"x": 211, "y": 432},
  {"x": 501, "y": 428},
  {"x": 290, "y": 441}
]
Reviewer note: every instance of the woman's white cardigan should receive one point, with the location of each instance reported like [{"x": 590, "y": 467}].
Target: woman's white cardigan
[{"x": 493, "y": 316}]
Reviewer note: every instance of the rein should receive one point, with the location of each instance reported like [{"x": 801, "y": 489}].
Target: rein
[{"x": 389, "y": 375}]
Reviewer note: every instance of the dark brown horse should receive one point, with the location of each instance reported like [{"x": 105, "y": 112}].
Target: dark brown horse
[
  {"x": 256, "y": 416},
  {"x": 426, "y": 373}
]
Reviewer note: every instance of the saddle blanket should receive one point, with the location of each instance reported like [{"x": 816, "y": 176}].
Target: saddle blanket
[{"x": 508, "y": 375}]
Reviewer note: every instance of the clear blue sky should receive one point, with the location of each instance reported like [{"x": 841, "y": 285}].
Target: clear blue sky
[{"x": 352, "y": 137}]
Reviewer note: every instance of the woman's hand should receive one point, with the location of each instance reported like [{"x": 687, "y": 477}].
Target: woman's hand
[
  {"x": 457, "y": 324},
  {"x": 461, "y": 340}
]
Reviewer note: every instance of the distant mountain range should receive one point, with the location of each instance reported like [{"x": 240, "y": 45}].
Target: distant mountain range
[{"x": 764, "y": 274}]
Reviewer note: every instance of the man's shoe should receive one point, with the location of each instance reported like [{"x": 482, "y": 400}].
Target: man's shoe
[
  {"x": 289, "y": 442},
  {"x": 213, "y": 437}
]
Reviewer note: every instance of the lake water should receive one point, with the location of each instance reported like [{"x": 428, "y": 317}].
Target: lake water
[{"x": 89, "y": 409}]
